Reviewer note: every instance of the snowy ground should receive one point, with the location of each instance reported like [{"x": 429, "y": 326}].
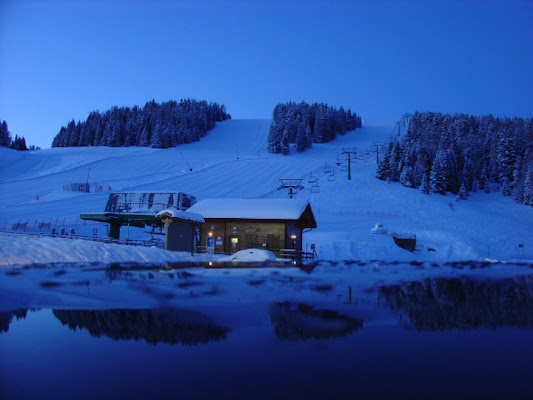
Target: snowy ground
[{"x": 231, "y": 161}]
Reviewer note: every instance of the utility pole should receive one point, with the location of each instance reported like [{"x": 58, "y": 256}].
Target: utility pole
[
  {"x": 87, "y": 186},
  {"x": 349, "y": 152}
]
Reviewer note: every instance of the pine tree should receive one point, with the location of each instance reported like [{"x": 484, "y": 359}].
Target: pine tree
[
  {"x": 383, "y": 170},
  {"x": 528, "y": 187},
  {"x": 19, "y": 143},
  {"x": 424, "y": 186},
  {"x": 303, "y": 137},
  {"x": 5, "y": 136},
  {"x": 274, "y": 139},
  {"x": 284, "y": 144},
  {"x": 467, "y": 175},
  {"x": 395, "y": 162},
  {"x": 406, "y": 177},
  {"x": 437, "y": 179},
  {"x": 506, "y": 186},
  {"x": 463, "y": 193}
]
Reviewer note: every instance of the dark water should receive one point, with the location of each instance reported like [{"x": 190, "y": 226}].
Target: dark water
[{"x": 442, "y": 338}]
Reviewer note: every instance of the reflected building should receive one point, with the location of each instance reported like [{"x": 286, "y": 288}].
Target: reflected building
[
  {"x": 163, "y": 325},
  {"x": 302, "y": 322},
  {"x": 462, "y": 303}
]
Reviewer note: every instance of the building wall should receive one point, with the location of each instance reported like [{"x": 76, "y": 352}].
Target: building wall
[
  {"x": 179, "y": 236},
  {"x": 230, "y": 236}
]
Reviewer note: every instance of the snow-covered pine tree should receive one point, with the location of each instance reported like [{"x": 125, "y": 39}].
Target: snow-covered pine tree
[
  {"x": 284, "y": 143},
  {"x": 395, "y": 162},
  {"x": 528, "y": 187},
  {"x": 467, "y": 175},
  {"x": 437, "y": 178},
  {"x": 274, "y": 138},
  {"x": 303, "y": 137},
  {"x": 424, "y": 185},
  {"x": 463, "y": 193},
  {"x": 407, "y": 177},
  {"x": 383, "y": 169},
  {"x": 506, "y": 159}
]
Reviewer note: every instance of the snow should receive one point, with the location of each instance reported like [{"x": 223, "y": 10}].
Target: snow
[
  {"x": 290, "y": 209},
  {"x": 249, "y": 255},
  {"x": 184, "y": 215},
  {"x": 32, "y": 249},
  {"x": 231, "y": 162}
]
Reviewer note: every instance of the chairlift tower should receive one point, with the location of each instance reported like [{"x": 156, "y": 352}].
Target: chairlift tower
[
  {"x": 377, "y": 146},
  {"x": 349, "y": 151},
  {"x": 293, "y": 185}
]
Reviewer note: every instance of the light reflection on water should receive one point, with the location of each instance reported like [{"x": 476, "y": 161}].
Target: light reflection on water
[{"x": 435, "y": 338}]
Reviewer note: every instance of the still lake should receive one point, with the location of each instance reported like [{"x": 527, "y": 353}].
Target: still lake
[{"x": 439, "y": 338}]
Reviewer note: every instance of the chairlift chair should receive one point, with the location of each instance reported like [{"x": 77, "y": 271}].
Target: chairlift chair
[{"x": 315, "y": 189}]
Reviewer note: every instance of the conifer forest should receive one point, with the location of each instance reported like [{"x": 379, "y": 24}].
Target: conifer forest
[
  {"x": 155, "y": 125},
  {"x": 461, "y": 154},
  {"x": 304, "y": 124}
]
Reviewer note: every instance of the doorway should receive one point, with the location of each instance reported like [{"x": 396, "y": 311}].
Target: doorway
[{"x": 234, "y": 244}]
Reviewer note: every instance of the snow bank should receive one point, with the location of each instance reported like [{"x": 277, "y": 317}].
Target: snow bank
[
  {"x": 249, "y": 255},
  {"x": 30, "y": 249}
]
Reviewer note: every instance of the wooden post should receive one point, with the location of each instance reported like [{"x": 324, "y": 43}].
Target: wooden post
[{"x": 114, "y": 230}]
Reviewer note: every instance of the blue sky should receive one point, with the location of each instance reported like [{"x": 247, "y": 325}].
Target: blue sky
[{"x": 60, "y": 60}]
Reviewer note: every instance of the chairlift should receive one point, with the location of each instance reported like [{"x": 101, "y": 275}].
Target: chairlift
[
  {"x": 315, "y": 189},
  {"x": 327, "y": 169},
  {"x": 331, "y": 177},
  {"x": 344, "y": 168},
  {"x": 312, "y": 178}
]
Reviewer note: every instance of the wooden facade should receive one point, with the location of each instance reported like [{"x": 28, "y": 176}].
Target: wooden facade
[{"x": 229, "y": 235}]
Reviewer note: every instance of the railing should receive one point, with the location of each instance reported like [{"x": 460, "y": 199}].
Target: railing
[
  {"x": 296, "y": 254},
  {"x": 137, "y": 206},
  {"x": 72, "y": 235}
]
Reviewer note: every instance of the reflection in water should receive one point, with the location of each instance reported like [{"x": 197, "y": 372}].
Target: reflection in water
[
  {"x": 154, "y": 326},
  {"x": 463, "y": 303},
  {"x": 7, "y": 317},
  {"x": 301, "y": 322}
]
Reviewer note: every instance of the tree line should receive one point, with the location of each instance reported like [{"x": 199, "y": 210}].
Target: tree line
[
  {"x": 157, "y": 125},
  {"x": 304, "y": 124},
  {"x": 461, "y": 153},
  {"x": 19, "y": 143}
]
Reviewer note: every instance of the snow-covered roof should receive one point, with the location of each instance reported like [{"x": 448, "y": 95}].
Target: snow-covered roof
[
  {"x": 286, "y": 209},
  {"x": 184, "y": 215}
]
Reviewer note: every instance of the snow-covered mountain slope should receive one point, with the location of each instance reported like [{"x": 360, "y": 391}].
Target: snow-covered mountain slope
[{"x": 232, "y": 161}]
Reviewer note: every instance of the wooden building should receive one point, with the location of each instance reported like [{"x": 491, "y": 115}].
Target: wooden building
[
  {"x": 181, "y": 229},
  {"x": 236, "y": 224}
]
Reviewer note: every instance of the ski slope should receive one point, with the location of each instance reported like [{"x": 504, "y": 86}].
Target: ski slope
[{"x": 232, "y": 162}]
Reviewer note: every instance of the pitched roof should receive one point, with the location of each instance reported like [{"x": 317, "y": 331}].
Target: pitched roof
[{"x": 280, "y": 209}]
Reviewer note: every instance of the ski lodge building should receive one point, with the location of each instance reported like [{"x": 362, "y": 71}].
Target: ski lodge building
[
  {"x": 231, "y": 225},
  {"x": 213, "y": 225}
]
